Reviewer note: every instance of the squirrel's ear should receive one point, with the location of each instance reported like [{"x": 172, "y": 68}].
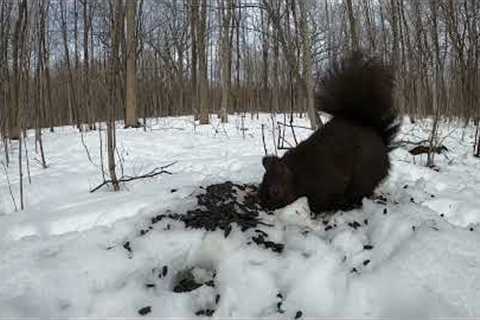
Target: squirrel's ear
[{"x": 268, "y": 161}]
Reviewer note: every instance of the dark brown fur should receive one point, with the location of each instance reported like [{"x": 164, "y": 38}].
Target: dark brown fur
[{"x": 345, "y": 160}]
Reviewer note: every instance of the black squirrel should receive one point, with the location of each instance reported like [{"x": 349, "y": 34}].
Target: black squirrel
[{"x": 346, "y": 159}]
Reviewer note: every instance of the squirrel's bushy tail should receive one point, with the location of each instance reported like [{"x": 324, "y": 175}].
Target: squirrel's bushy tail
[{"x": 360, "y": 89}]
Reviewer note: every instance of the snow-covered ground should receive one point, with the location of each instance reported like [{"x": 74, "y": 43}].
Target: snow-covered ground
[{"x": 418, "y": 255}]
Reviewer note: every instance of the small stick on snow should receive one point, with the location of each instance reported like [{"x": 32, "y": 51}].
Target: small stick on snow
[
  {"x": 150, "y": 174},
  {"x": 263, "y": 139},
  {"x": 9, "y": 186}
]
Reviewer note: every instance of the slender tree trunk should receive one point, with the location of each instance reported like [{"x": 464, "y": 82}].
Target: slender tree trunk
[
  {"x": 203, "y": 65},
  {"x": 353, "y": 26},
  {"x": 315, "y": 121},
  {"x": 40, "y": 106},
  {"x": 114, "y": 96},
  {"x": 74, "y": 107},
  {"x": 131, "y": 98},
  {"x": 194, "y": 64},
  {"x": 14, "y": 128},
  {"x": 227, "y": 7}
]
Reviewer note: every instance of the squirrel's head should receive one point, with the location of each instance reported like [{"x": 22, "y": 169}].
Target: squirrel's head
[{"x": 276, "y": 189}]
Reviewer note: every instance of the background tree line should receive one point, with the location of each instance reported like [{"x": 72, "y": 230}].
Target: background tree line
[{"x": 83, "y": 61}]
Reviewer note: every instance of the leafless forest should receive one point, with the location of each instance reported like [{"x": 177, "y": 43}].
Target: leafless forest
[{"x": 79, "y": 62}]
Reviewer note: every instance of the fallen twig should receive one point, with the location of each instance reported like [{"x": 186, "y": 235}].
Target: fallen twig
[
  {"x": 151, "y": 174},
  {"x": 293, "y": 125}
]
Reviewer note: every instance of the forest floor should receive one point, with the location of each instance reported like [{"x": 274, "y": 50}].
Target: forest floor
[{"x": 72, "y": 253}]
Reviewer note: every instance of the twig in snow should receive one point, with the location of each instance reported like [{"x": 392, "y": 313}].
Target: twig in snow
[
  {"x": 151, "y": 174},
  {"x": 101, "y": 150},
  {"x": 26, "y": 158},
  {"x": 263, "y": 139},
  {"x": 20, "y": 171},
  {"x": 293, "y": 125},
  {"x": 9, "y": 185},
  {"x": 5, "y": 148},
  {"x": 273, "y": 134}
]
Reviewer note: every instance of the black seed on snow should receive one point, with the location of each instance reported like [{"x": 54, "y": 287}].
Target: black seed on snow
[
  {"x": 442, "y": 215},
  {"x": 432, "y": 196},
  {"x": 354, "y": 270},
  {"x": 328, "y": 228},
  {"x": 413, "y": 228},
  {"x": 385, "y": 211},
  {"x": 127, "y": 247},
  {"x": 279, "y": 295},
  {"x": 186, "y": 285},
  {"x": 261, "y": 232},
  {"x": 200, "y": 313},
  {"x": 279, "y": 307},
  {"x": 164, "y": 271},
  {"x": 209, "y": 312},
  {"x": 150, "y": 285},
  {"x": 471, "y": 229},
  {"x": 210, "y": 283},
  {"x": 365, "y": 222},
  {"x": 412, "y": 200},
  {"x": 217, "y": 298},
  {"x": 366, "y": 262},
  {"x": 145, "y": 310},
  {"x": 356, "y": 224},
  {"x": 299, "y": 314},
  {"x": 368, "y": 247},
  {"x": 405, "y": 186},
  {"x": 173, "y": 190}
]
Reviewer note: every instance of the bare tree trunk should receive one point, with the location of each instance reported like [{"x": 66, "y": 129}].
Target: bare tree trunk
[
  {"x": 227, "y": 7},
  {"x": 194, "y": 63},
  {"x": 86, "y": 62},
  {"x": 14, "y": 128},
  {"x": 40, "y": 106},
  {"x": 114, "y": 96},
  {"x": 74, "y": 109},
  {"x": 275, "y": 68},
  {"x": 46, "y": 62},
  {"x": 131, "y": 98},
  {"x": 353, "y": 26},
  {"x": 20, "y": 172},
  {"x": 203, "y": 65},
  {"x": 266, "y": 101},
  {"x": 307, "y": 64}
]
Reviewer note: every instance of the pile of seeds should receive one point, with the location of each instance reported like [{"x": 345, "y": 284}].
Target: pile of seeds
[{"x": 220, "y": 206}]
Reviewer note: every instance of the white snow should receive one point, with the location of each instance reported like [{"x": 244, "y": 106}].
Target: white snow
[{"x": 63, "y": 256}]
